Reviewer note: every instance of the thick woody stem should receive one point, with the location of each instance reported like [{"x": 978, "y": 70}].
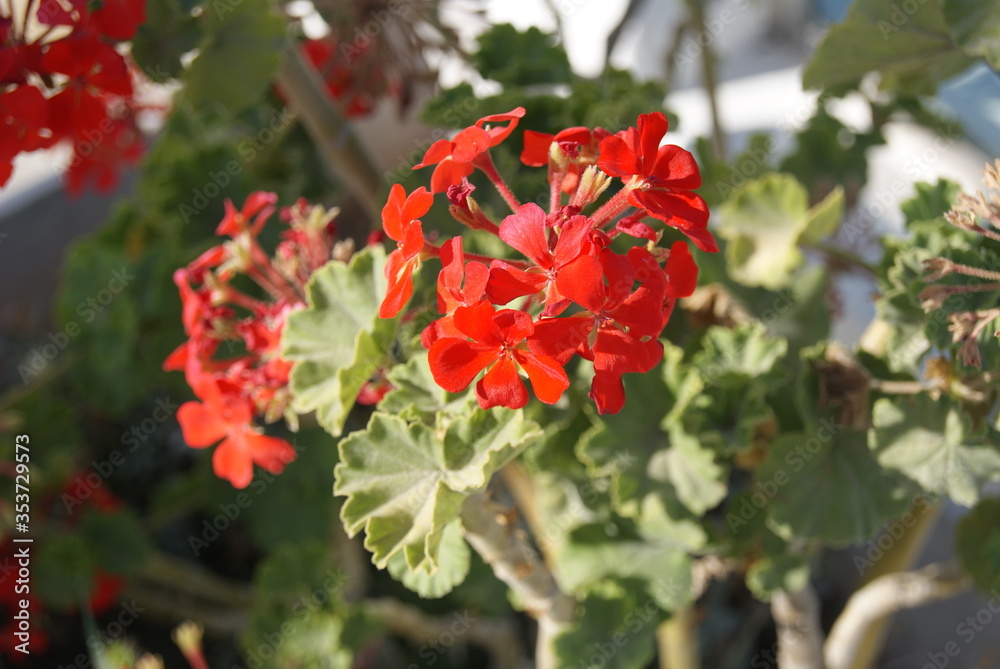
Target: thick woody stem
[
  {"x": 335, "y": 140},
  {"x": 882, "y": 597},
  {"x": 800, "y": 638},
  {"x": 516, "y": 563}
]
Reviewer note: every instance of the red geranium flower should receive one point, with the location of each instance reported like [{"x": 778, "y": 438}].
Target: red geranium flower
[
  {"x": 499, "y": 344},
  {"x": 526, "y": 231},
  {"x": 455, "y": 157},
  {"x": 224, "y": 414},
  {"x": 662, "y": 177},
  {"x": 399, "y": 222},
  {"x": 626, "y": 322}
]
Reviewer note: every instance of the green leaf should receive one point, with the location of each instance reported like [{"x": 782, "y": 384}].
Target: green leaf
[
  {"x": 273, "y": 504},
  {"x": 168, "y": 33},
  {"x": 614, "y": 550},
  {"x": 614, "y": 631},
  {"x": 764, "y": 222},
  {"x": 976, "y": 26},
  {"x": 780, "y": 572},
  {"x": 238, "y": 56},
  {"x": 699, "y": 481},
  {"x": 452, "y": 568},
  {"x": 977, "y": 540},
  {"x": 911, "y": 47},
  {"x": 928, "y": 442},
  {"x": 415, "y": 395},
  {"x": 827, "y": 486},
  {"x": 339, "y": 342},
  {"x": 930, "y": 201},
  {"x": 405, "y": 482},
  {"x": 516, "y": 58}
]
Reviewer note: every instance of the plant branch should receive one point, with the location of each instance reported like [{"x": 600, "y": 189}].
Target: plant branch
[
  {"x": 882, "y": 597},
  {"x": 176, "y": 607},
  {"x": 710, "y": 78},
  {"x": 516, "y": 563},
  {"x": 338, "y": 146},
  {"x": 845, "y": 256},
  {"x": 497, "y": 635},
  {"x": 193, "y": 581},
  {"x": 677, "y": 641},
  {"x": 800, "y": 638}
]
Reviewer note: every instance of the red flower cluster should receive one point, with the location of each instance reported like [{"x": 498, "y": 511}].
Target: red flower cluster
[
  {"x": 236, "y": 390},
  {"x": 356, "y": 88},
  {"x": 577, "y": 295},
  {"x": 77, "y": 88}
]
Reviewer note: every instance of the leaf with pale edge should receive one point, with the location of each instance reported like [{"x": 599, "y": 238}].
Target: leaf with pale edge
[
  {"x": 764, "y": 222},
  {"x": 339, "y": 341},
  {"x": 452, "y": 568},
  {"x": 928, "y": 442},
  {"x": 829, "y": 487},
  {"x": 405, "y": 482}
]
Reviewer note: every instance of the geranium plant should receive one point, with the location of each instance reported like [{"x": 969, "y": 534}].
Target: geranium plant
[{"x": 574, "y": 388}]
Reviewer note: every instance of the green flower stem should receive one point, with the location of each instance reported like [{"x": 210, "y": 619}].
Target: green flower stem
[
  {"x": 516, "y": 563},
  {"x": 338, "y": 146}
]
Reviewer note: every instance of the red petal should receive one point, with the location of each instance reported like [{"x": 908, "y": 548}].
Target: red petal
[
  {"x": 548, "y": 378},
  {"x": 514, "y": 326},
  {"x": 676, "y": 208},
  {"x": 413, "y": 243},
  {"x": 635, "y": 228},
  {"x": 437, "y": 152},
  {"x": 502, "y": 386},
  {"x": 470, "y": 143},
  {"x": 525, "y": 231},
  {"x": 536, "y": 148},
  {"x": 271, "y": 453},
  {"x": 449, "y": 173},
  {"x": 608, "y": 393},
  {"x": 455, "y": 363},
  {"x": 651, "y": 129},
  {"x": 417, "y": 204},
  {"x": 702, "y": 238},
  {"x": 232, "y": 461},
  {"x": 200, "y": 424},
  {"x": 583, "y": 282},
  {"x": 620, "y": 353},
  {"x": 399, "y": 272},
  {"x": 507, "y": 282},
  {"x": 681, "y": 271},
  {"x": 476, "y": 322},
  {"x": 560, "y": 338},
  {"x": 119, "y": 19},
  {"x": 498, "y": 134},
  {"x": 617, "y": 158},
  {"x": 391, "y": 222},
  {"x": 676, "y": 168}
]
